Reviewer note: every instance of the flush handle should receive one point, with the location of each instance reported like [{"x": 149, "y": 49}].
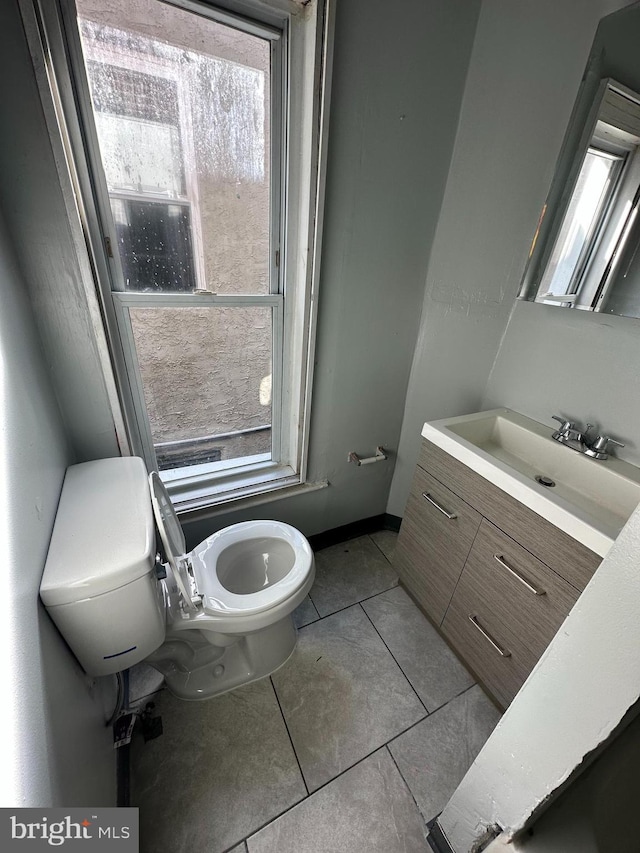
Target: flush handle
[
  {"x": 500, "y": 559},
  {"x": 449, "y": 515}
]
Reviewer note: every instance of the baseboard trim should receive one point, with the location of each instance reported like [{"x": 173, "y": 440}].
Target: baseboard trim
[
  {"x": 392, "y": 522},
  {"x": 436, "y": 838},
  {"x": 336, "y": 535}
]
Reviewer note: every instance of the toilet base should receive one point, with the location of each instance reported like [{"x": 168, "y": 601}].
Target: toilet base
[{"x": 202, "y": 671}]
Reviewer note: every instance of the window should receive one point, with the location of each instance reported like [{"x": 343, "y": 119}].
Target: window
[
  {"x": 592, "y": 242},
  {"x": 199, "y": 201},
  {"x": 585, "y": 215}
]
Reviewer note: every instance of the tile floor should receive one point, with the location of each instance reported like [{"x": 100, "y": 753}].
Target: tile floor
[{"x": 353, "y": 745}]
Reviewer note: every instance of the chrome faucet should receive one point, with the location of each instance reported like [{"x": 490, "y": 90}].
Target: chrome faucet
[{"x": 579, "y": 440}]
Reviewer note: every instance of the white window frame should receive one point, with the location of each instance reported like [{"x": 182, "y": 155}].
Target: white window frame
[
  {"x": 130, "y": 62},
  {"x": 304, "y": 105},
  {"x": 613, "y": 126}
]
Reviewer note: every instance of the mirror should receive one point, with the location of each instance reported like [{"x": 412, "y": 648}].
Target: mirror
[{"x": 585, "y": 253}]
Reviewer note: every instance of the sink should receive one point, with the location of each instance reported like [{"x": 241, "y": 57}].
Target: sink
[{"x": 590, "y": 500}]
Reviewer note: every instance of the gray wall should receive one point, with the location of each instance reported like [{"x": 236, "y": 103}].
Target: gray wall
[
  {"x": 397, "y": 84},
  {"x": 39, "y": 230},
  {"x": 557, "y": 361},
  {"x": 398, "y": 81},
  {"x": 524, "y": 75},
  {"x": 56, "y": 748},
  {"x": 584, "y": 366}
]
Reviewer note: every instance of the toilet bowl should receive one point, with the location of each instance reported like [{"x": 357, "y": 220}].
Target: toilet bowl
[{"x": 210, "y": 619}]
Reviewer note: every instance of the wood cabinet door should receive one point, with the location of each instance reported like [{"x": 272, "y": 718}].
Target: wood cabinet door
[
  {"x": 506, "y": 608},
  {"x": 435, "y": 538}
]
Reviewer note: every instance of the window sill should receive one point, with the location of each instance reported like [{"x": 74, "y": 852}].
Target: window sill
[{"x": 262, "y": 482}]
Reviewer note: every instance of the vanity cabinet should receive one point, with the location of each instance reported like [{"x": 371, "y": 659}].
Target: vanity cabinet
[
  {"x": 493, "y": 576},
  {"x": 437, "y": 533}
]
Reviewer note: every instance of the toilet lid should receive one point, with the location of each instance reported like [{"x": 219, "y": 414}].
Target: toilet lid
[{"x": 171, "y": 535}]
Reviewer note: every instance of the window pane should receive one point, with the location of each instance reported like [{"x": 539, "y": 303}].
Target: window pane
[
  {"x": 155, "y": 244},
  {"x": 206, "y": 374},
  {"x": 182, "y": 112},
  {"x": 579, "y": 224}
]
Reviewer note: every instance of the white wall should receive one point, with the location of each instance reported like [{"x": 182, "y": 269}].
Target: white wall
[
  {"x": 397, "y": 84},
  {"x": 524, "y": 74},
  {"x": 39, "y": 231},
  {"x": 600, "y": 808},
  {"x": 558, "y": 361},
  {"x": 56, "y": 749},
  {"x": 583, "y": 366}
]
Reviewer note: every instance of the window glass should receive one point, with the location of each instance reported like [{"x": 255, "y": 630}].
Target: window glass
[
  {"x": 580, "y": 223},
  {"x": 182, "y": 111},
  {"x": 154, "y": 240},
  {"x": 206, "y": 374}
]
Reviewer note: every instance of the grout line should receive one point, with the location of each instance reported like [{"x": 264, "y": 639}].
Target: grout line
[
  {"x": 408, "y": 729},
  {"x": 315, "y": 609},
  {"x": 457, "y": 695},
  {"x": 275, "y": 692},
  {"x": 353, "y": 603},
  {"x": 408, "y": 787},
  {"x": 364, "y": 758},
  {"x": 237, "y": 844},
  {"x": 408, "y": 680},
  {"x": 269, "y": 822},
  {"x": 379, "y": 548},
  {"x": 333, "y": 779}
]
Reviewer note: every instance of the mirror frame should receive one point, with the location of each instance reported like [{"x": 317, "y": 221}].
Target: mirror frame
[{"x": 593, "y": 104}]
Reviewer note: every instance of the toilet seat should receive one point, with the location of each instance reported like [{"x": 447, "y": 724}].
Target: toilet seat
[
  {"x": 173, "y": 541},
  {"x": 196, "y": 572},
  {"x": 205, "y": 559}
]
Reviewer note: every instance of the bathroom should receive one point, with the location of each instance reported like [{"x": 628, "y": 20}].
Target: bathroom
[{"x": 446, "y": 122}]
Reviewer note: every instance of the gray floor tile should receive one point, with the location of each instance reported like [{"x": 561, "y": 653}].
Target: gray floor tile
[
  {"x": 144, "y": 681},
  {"x": 223, "y": 768},
  {"x": 342, "y": 695},
  {"x": 434, "y": 755},
  {"x": 386, "y": 542},
  {"x": 241, "y": 848},
  {"x": 432, "y": 668},
  {"x": 367, "y": 810},
  {"x": 305, "y": 613},
  {"x": 349, "y": 572}
]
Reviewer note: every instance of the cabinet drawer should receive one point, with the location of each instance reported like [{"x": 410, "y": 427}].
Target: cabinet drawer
[
  {"x": 515, "y": 599},
  {"x": 526, "y": 596},
  {"x": 432, "y": 547},
  {"x": 498, "y": 658}
]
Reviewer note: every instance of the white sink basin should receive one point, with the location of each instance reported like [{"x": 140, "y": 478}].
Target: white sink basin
[{"x": 591, "y": 499}]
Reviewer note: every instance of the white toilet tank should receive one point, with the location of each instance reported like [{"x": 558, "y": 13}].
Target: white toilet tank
[{"x": 99, "y": 583}]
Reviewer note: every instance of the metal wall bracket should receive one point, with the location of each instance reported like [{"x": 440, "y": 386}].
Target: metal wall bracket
[{"x": 380, "y": 456}]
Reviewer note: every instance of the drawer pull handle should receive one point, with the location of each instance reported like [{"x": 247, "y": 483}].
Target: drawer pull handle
[
  {"x": 502, "y": 652},
  {"x": 450, "y": 515},
  {"x": 499, "y": 558}
]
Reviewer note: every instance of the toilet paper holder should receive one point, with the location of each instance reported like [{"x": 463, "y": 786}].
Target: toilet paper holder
[{"x": 380, "y": 456}]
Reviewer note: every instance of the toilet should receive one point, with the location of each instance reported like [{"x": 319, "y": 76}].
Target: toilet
[{"x": 209, "y": 620}]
